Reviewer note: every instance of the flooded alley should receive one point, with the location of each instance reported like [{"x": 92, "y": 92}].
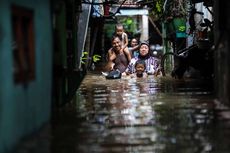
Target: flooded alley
[
  {"x": 157, "y": 115},
  {"x": 130, "y": 115},
  {"x": 55, "y": 99}
]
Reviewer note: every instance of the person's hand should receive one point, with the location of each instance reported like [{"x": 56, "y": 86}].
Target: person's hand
[
  {"x": 124, "y": 74},
  {"x": 127, "y": 73},
  {"x": 109, "y": 66},
  {"x": 158, "y": 73}
]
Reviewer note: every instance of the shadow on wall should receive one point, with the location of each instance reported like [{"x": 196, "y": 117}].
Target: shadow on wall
[{"x": 1, "y": 34}]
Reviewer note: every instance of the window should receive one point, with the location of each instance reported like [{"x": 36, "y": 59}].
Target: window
[{"x": 23, "y": 44}]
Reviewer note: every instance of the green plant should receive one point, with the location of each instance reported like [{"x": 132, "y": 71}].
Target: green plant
[
  {"x": 156, "y": 8},
  {"x": 84, "y": 58},
  {"x": 96, "y": 58}
]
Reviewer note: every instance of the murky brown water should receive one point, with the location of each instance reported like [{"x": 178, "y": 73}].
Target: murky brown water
[{"x": 153, "y": 115}]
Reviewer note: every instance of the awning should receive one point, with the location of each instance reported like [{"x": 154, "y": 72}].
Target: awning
[{"x": 131, "y": 12}]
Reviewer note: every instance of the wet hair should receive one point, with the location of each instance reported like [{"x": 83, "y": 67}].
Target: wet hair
[
  {"x": 134, "y": 38},
  {"x": 119, "y": 25},
  {"x": 142, "y": 62},
  {"x": 114, "y": 37}
]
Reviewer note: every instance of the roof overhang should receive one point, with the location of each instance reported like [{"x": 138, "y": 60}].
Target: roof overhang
[{"x": 130, "y": 12}]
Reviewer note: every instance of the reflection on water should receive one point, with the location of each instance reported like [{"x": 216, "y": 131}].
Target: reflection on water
[{"x": 153, "y": 115}]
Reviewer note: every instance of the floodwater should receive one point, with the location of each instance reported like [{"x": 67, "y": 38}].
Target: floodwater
[
  {"x": 132, "y": 115},
  {"x": 153, "y": 115}
]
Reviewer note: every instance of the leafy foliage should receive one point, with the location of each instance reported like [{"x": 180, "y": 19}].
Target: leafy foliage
[
  {"x": 161, "y": 9},
  {"x": 84, "y": 58}
]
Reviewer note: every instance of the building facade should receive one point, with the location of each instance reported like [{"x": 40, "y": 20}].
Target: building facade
[{"x": 25, "y": 69}]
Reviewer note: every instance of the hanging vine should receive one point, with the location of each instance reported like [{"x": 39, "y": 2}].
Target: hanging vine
[
  {"x": 155, "y": 8},
  {"x": 176, "y": 8},
  {"x": 161, "y": 9}
]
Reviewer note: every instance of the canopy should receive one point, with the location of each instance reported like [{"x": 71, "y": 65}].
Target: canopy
[{"x": 130, "y": 12}]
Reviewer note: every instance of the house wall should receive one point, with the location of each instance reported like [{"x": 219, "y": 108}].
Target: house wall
[
  {"x": 24, "y": 109},
  {"x": 222, "y": 54}
]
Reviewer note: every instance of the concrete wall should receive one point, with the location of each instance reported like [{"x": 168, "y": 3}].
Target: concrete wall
[
  {"x": 222, "y": 54},
  {"x": 24, "y": 110}
]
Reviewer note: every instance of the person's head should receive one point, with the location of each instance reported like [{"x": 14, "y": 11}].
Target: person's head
[
  {"x": 140, "y": 67},
  {"x": 119, "y": 29},
  {"x": 134, "y": 42},
  {"x": 144, "y": 49},
  {"x": 116, "y": 43}
]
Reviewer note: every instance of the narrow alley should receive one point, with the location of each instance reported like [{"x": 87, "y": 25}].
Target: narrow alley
[
  {"x": 167, "y": 86},
  {"x": 153, "y": 115}
]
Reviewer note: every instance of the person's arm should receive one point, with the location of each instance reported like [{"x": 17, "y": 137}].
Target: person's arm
[
  {"x": 150, "y": 66},
  {"x": 111, "y": 55},
  {"x": 158, "y": 68},
  {"x": 154, "y": 66},
  {"x": 126, "y": 41},
  {"x": 134, "y": 48},
  {"x": 127, "y": 53},
  {"x": 145, "y": 75},
  {"x": 130, "y": 67}
]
